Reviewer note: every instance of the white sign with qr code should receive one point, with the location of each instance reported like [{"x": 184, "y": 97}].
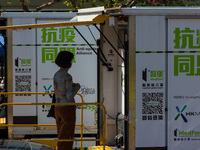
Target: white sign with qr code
[
  {"x": 150, "y": 82},
  {"x": 150, "y": 100},
  {"x": 24, "y": 69}
]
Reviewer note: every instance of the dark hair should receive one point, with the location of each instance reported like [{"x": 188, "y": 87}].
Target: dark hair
[{"x": 64, "y": 59}]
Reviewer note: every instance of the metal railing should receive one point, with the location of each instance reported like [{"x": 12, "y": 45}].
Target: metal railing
[{"x": 103, "y": 140}]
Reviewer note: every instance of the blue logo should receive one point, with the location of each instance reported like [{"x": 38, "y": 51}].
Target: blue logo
[
  {"x": 47, "y": 91},
  {"x": 180, "y": 113}
]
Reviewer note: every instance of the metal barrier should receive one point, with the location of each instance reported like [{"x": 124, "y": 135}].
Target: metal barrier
[{"x": 60, "y": 140}]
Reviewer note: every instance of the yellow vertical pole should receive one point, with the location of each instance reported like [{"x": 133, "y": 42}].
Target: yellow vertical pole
[
  {"x": 104, "y": 128},
  {"x": 132, "y": 80},
  {"x": 81, "y": 125},
  {"x": 81, "y": 120},
  {"x": 9, "y": 78}
]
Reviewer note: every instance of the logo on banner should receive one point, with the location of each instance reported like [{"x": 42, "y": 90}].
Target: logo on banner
[
  {"x": 180, "y": 113},
  {"x": 22, "y": 65},
  {"x": 144, "y": 75},
  {"x": 182, "y": 135},
  {"x": 46, "y": 108},
  {"x": 49, "y": 54},
  {"x": 47, "y": 90},
  {"x": 22, "y": 62},
  {"x": 187, "y": 38},
  {"x": 155, "y": 75},
  {"x": 86, "y": 91},
  {"x": 56, "y": 35},
  {"x": 185, "y": 114},
  {"x": 186, "y": 64},
  {"x": 84, "y": 51},
  {"x": 152, "y": 75}
]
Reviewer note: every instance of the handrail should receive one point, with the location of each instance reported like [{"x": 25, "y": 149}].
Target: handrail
[
  {"x": 36, "y": 93},
  {"x": 82, "y": 103}
]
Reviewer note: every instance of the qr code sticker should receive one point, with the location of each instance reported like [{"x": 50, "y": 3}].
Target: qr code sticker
[
  {"x": 23, "y": 83},
  {"x": 152, "y": 103}
]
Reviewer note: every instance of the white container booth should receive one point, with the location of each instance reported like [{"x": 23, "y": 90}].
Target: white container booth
[
  {"x": 164, "y": 93},
  {"x": 31, "y": 54}
]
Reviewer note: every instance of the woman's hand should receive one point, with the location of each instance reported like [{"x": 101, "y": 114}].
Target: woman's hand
[{"x": 76, "y": 85}]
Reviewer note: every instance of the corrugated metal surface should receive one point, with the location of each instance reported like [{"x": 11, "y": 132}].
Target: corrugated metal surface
[
  {"x": 161, "y": 11},
  {"x": 150, "y": 33},
  {"x": 52, "y": 15}
]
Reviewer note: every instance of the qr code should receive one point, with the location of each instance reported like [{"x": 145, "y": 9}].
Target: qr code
[
  {"x": 23, "y": 83},
  {"x": 152, "y": 103}
]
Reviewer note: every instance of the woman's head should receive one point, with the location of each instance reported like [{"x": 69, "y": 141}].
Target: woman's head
[{"x": 64, "y": 59}]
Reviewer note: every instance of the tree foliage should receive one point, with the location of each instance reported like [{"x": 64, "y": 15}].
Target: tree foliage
[{"x": 76, "y": 4}]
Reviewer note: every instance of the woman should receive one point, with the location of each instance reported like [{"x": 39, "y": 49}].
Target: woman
[{"x": 65, "y": 90}]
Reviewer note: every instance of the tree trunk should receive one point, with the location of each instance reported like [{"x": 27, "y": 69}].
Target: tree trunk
[
  {"x": 24, "y": 7},
  {"x": 47, "y": 5}
]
